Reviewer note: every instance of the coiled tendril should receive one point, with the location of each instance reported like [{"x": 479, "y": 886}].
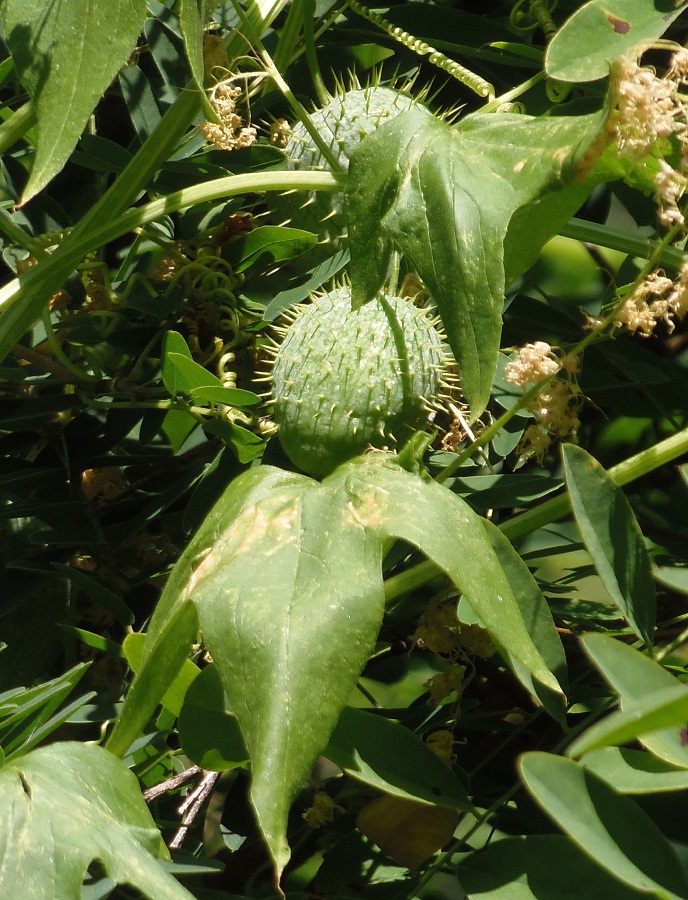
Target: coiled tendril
[{"x": 472, "y": 81}]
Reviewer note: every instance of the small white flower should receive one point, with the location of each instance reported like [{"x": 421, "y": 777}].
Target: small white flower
[{"x": 534, "y": 363}]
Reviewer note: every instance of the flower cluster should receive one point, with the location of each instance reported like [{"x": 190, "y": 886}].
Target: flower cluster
[
  {"x": 440, "y": 631},
  {"x": 656, "y": 299},
  {"x": 323, "y": 810},
  {"x": 533, "y": 364},
  {"x": 442, "y": 744},
  {"x": 230, "y": 133},
  {"x": 649, "y": 110},
  {"x": 279, "y": 132},
  {"x": 554, "y": 407},
  {"x": 438, "y": 628},
  {"x": 444, "y": 684}
]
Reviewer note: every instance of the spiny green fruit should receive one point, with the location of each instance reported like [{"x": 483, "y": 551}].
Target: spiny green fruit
[
  {"x": 342, "y": 124},
  {"x": 344, "y": 380}
]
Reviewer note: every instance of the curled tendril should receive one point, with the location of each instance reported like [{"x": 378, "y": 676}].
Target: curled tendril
[
  {"x": 518, "y": 108},
  {"x": 228, "y": 377},
  {"x": 472, "y": 81},
  {"x": 539, "y": 13},
  {"x": 557, "y": 91},
  {"x": 542, "y": 13},
  {"x": 208, "y": 276},
  {"x": 229, "y": 322}
]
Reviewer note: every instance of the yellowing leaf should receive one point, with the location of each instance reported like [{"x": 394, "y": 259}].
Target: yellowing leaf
[{"x": 407, "y": 831}]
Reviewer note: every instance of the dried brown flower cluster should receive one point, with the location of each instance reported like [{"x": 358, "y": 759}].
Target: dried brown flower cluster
[{"x": 230, "y": 133}]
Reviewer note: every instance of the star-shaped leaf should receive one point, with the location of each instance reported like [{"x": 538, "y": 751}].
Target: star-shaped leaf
[{"x": 66, "y": 805}]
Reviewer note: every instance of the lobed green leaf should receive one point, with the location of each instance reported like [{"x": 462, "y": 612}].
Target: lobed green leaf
[
  {"x": 66, "y": 805},
  {"x": 446, "y": 197}
]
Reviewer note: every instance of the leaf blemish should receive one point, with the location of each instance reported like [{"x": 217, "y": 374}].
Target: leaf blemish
[
  {"x": 619, "y": 26},
  {"x": 25, "y": 785},
  {"x": 367, "y": 512},
  {"x": 206, "y": 565}
]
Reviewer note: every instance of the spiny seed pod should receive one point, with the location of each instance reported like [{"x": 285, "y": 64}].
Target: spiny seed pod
[
  {"x": 344, "y": 380},
  {"x": 342, "y": 124}
]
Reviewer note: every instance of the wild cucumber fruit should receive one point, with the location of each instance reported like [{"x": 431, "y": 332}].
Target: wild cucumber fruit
[
  {"x": 345, "y": 380},
  {"x": 342, "y": 124}
]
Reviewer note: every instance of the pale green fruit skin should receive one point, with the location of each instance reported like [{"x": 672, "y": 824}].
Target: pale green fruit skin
[
  {"x": 342, "y": 124},
  {"x": 345, "y": 380}
]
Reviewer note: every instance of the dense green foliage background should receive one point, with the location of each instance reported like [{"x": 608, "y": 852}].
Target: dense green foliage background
[{"x": 452, "y": 668}]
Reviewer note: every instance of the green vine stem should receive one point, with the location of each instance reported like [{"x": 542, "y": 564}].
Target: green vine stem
[
  {"x": 16, "y": 126},
  {"x": 24, "y": 297},
  {"x": 298, "y": 108},
  {"x": 551, "y": 510},
  {"x": 311, "y": 53},
  {"x": 33, "y": 290},
  {"x": 614, "y": 239},
  {"x": 472, "y": 81}
]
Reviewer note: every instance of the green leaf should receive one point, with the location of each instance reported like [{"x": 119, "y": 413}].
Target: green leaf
[
  {"x": 186, "y": 375},
  {"x": 174, "y": 624},
  {"x": 66, "y": 805},
  {"x": 445, "y": 196},
  {"x": 536, "y": 867},
  {"x": 97, "y": 641},
  {"x": 183, "y": 375},
  {"x": 610, "y": 828},
  {"x": 140, "y": 100},
  {"x": 402, "y": 505},
  {"x": 177, "y": 426},
  {"x": 673, "y": 577},
  {"x": 538, "y": 620},
  {"x": 608, "y": 30},
  {"x": 25, "y": 715},
  {"x": 290, "y": 601},
  {"x": 173, "y": 379},
  {"x": 636, "y": 677},
  {"x": 613, "y": 539},
  {"x": 393, "y": 759},
  {"x": 268, "y": 244},
  {"x": 245, "y": 444},
  {"x": 164, "y": 654},
  {"x": 208, "y": 729},
  {"x": 225, "y": 395},
  {"x": 635, "y": 771},
  {"x": 286, "y": 576},
  {"x": 192, "y": 18},
  {"x": 97, "y": 591},
  {"x": 176, "y": 688},
  {"x": 659, "y": 710},
  {"x": 66, "y": 53}
]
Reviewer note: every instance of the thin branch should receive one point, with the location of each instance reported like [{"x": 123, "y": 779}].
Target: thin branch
[
  {"x": 171, "y": 784},
  {"x": 190, "y": 808}
]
